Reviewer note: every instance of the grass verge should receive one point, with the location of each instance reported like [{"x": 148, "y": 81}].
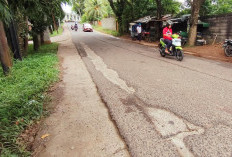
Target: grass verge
[
  {"x": 107, "y": 31},
  {"x": 60, "y": 31},
  {"x": 22, "y": 96}
]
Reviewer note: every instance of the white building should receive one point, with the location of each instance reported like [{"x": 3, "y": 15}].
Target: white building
[{"x": 72, "y": 17}]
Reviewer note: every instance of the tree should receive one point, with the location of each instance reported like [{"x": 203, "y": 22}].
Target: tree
[
  {"x": 118, "y": 7},
  {"x": 159, "y": 9},
  {"x": 5, "y": 58},
  {"x": 195, "y": 9},
  {"x": 95, "y": 10},
  {"x": 170, "y": 7},
  {"x": 78, "y": 6},
  {"x": 5, "y": 17}
]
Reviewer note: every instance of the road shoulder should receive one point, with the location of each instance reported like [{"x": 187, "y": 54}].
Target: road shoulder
[{"x": 80, "y": 124}]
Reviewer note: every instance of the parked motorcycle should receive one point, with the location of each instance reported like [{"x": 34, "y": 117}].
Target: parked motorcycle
[
  {"x": 228, "y": 47},
  {"x": 175, "y": 50}
]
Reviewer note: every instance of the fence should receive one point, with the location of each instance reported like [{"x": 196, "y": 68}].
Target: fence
[
  {"x": 220, "y": 27},
  {"x": 109, "y": 23}
]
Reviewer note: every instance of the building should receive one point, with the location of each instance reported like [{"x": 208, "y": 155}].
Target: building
[{"x": 72, "y": 17}]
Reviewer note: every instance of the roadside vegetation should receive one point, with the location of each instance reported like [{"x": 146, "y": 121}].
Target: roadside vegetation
[
  {"x": 107, "y": 31},
  {"x": 22, "y": 96},
  {"x": 59, "y": 32},
  {"x": 127, "y": 11}
]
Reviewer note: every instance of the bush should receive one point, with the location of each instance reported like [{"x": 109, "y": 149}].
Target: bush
[
  {"x": 22, "y": 98},
  {"x": 60, "y": 31},
  {"x": 107, "y": 31}
]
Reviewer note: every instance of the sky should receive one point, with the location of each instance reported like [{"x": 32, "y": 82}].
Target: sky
[{"x": 67, "y": 8}]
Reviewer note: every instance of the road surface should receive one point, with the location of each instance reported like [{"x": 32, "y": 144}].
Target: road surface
[{"x": 160, "y": 106}]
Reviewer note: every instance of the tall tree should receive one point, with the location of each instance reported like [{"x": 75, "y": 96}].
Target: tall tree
[
  {"x": 95, "y": 9},
  {"x": 78, "y": 6},
  {"x": 118, "y": 7},
  {"x": 5, "y": 58},
  {"x": 195, "y": 9},
  {"x": 5, "y": 17},
  {"x": 159, "y": 10}
]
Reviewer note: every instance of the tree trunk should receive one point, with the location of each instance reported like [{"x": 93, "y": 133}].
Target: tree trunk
[
  {"x": 13, "y": 40},
  {"x": 5, "y": 57},
  {"x": 54, "y": 22},
  {"x": 159, "y": 16},
  {"x": 41, "y": 38},
  {"x": 196, "y": 5},
  {"x": 159, "y": 9},
  {"x": 46, "y": 36},
  {"x": 120, "y": 26},
  {"x": 35, "y": 42},
  {"x": 50, "y": 29},
  {"x": 25, "y": 46}
]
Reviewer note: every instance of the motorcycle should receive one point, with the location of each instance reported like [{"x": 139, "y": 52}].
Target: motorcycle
[
  {"x": 228, "y": 47},
  {"x": 175, "y": 50}
]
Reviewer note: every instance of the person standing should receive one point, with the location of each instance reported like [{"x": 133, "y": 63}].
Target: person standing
[{"x": 139, "y": 31}]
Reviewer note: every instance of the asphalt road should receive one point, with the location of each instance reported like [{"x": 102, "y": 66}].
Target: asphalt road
[{"x": 160, "y": 106}]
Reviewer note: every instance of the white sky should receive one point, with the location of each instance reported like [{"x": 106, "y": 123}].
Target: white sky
[{"x": 67, "y": 8}]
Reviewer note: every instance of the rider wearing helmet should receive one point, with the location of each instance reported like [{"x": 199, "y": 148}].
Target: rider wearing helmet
[
  {"x": 76, "y": 26},
  {"x": 167, "y": 35}
]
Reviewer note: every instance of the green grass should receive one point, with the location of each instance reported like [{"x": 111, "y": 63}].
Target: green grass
[
  {"x": 60, "y": 31},
  {"x": 107, "y": 31},
  {"x": 22, "y": 96}
]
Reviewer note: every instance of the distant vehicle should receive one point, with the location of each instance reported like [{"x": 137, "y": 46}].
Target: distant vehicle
[{"x": 87, "y": 27}]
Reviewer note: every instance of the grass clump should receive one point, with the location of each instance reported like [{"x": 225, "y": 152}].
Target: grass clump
[
  {"x": 107, "y": 31},
  {"x": 60, "y": 31},
  {"x": 22, "y": 96}
]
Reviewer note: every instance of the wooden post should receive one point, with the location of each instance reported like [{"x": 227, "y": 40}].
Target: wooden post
[{"x": 5, "y": 57}]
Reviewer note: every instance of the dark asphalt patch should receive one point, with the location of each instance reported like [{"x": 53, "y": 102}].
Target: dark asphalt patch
[{"x": 80, "y": 50}]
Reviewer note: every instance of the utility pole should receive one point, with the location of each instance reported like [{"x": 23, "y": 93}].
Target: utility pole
[{"x": 5, "y": 57}]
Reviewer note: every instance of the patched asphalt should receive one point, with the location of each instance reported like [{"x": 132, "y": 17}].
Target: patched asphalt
[{"x": 196, "y": 91}]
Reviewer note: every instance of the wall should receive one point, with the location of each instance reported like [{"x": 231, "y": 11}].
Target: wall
[
  {"x": 220, "y": 25},
  {"x": 109, "y": 23}
]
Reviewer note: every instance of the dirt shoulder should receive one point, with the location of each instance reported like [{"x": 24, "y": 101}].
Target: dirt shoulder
[
  {"x": 80, "y": 124},
  {"x": 214, "y": 52}
]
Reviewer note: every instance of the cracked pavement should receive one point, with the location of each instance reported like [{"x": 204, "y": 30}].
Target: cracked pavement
[{"x": 160, "y": 106}]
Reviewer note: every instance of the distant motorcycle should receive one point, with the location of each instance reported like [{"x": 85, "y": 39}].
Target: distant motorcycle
[
  {"x": 75, "y": 27},
  {"x": 228, "y": 47}
]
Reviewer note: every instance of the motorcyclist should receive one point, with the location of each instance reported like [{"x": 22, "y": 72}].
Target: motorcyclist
[
  {"x": 76, "y": 26},
  {"x": 167, "y": 35}
]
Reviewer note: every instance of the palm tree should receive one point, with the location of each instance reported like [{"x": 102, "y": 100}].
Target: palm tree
[{"x": 95, "y": 9}]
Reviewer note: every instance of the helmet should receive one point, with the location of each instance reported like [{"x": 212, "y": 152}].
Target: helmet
[{"x": 169, "y": 23}]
